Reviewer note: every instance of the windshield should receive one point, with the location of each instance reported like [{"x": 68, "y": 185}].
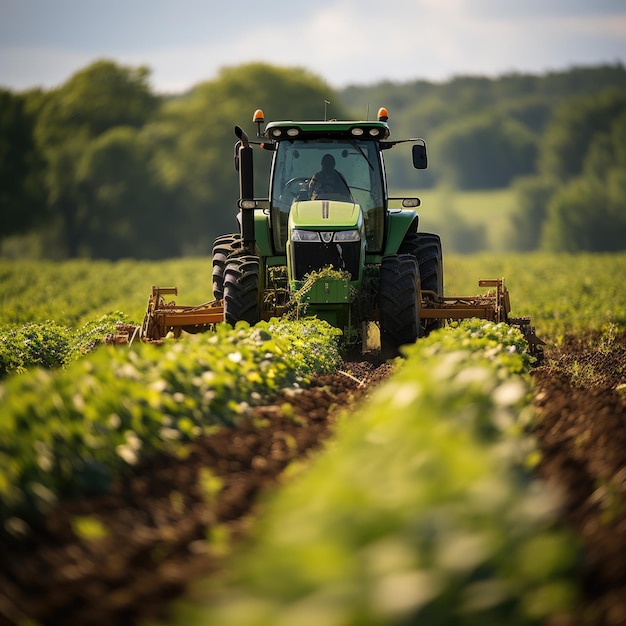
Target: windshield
[{"x": 343, "y": 170}]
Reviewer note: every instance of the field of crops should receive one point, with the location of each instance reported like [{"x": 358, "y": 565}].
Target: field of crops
[
  {"x": 426, "y": 507},
  {"x": 562, "y": 293}
]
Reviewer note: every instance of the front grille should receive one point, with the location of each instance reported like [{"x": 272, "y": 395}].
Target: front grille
[{"x": 314, "y": 256}]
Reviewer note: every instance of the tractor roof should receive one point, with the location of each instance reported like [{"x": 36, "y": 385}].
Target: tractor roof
[{"x": 373, "y": 130}]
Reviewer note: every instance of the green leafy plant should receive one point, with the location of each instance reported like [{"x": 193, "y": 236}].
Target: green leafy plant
[
  {"x": 49, "y": 345},
  {"x": 67, "y": 432}
]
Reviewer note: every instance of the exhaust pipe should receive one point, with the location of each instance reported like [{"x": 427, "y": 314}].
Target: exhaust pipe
[{"x": 244, "y": 165}]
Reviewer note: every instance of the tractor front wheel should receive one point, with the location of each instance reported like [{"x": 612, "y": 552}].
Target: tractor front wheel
[
  {"x": 241, "y": 290},
  {"x": 398, "y": 291}
]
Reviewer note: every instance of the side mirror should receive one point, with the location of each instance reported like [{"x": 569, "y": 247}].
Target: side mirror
[{"x": 420, "y": 161}]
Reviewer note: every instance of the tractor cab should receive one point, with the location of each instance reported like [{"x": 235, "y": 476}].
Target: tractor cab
[{"x": 324, "y": 178}]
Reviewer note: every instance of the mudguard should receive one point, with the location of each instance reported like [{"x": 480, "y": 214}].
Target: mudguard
[{"x": 399, "y": 223}]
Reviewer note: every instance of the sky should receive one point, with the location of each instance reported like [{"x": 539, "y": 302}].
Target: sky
[{"x": 345, "y": 42}]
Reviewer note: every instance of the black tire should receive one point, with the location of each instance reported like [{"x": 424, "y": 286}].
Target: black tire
[
  {"x": 241, "y": 290},
  {"x": 224, "y": 247},
  {"x": 398, "y": 302},
  {"x": 427, "y": 250}
]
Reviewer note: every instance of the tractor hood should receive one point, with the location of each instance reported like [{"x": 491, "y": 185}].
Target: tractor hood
[{"x": 325, "y": 215}]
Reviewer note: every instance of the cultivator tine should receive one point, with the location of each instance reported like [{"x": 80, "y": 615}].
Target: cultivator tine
[
  {"x": 164, "y": 318},
  {"x": 494, "y": 306},
  {"x": 535, "y": 344}
]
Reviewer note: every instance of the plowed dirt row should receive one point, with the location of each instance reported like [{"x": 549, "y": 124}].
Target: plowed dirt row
[
  {"x": 159, "y": 517},
  {"x": 580, "y": 401}
]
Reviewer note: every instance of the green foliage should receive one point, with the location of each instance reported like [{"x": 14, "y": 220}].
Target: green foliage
[
  {"x": 420, "y": 512},
  {"x": 76, "y": 292},
  {"x": 37, "y": 344},
  {"x": 100, "y": 97},
  {"x": 117, "y": 171},
  {"x": 95, "y": 100},
  {"x": 533, "y": 196},
  {"x": 573, "y": 130},
  {"x": 589, "y": 212},
  {"x": 67, "y": 433},
  {"x": 21, "y": 194},
  {"x": 577, "y": 201},
  {"x": 483, "y": 151},
  {"x": 49, "y": 345},
  {"x": 436, "y": 110},
  {"x": 125, "y": 196},
  {"x": 465, "y": 221}
]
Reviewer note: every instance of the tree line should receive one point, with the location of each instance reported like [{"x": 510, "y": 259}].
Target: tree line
[{"x": 103, "y": 167}]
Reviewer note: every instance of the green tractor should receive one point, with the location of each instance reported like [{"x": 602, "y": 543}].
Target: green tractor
[{"x": 329, "y": 241}]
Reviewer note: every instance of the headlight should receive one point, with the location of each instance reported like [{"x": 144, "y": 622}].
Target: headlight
[
  {"x": 304, "y": 235},
  {"x": 347, "y": 235}
]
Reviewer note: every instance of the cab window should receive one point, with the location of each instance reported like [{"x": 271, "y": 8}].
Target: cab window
[{"x": 356, "y": 161}]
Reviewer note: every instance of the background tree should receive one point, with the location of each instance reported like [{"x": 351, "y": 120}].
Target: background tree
[
  {"x": 589, "y": 212},
  {"x": 427, "y": 109},
  {"x": 93, "y": 101},
  {"x": 177, "y": 182},
  {"x": 194, "y": 141},
  {"x": 533, "y": 195},
  {"x": 22, "y": 198},
  {"x": 573, "y": 129},
  {"x": 483, "y": 152},
  {"x": 123, "y": 205}
]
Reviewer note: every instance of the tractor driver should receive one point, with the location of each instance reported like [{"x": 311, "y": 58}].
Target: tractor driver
[{"x": 328, "y": 183}]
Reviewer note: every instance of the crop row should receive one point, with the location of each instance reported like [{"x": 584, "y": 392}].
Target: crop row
[
  {"x": 67, "y": 432},
  {"x": 423, "y": 510},
  {"x": 47, "y": 344}
]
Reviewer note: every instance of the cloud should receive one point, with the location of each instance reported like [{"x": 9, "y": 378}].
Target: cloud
[
  {"x": 343, "y": 41},
  {"x": 26, "y": 67}
]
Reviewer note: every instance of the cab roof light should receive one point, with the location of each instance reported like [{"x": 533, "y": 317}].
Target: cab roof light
[
  {"x": 258, "y": 118},
  {"x": 383, "y": 114},
  {"x": 357, "y": 132}
]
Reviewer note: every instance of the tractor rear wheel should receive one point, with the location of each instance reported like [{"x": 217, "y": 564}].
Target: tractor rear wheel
[
  {"x": 241, "y": 290},
  {"x": 427, "y": 250},
  {"x": 224, "y": 247},
  {"x": 398, "y": 290}
]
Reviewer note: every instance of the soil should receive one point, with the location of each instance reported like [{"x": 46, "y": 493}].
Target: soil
[
  {"x": 159, "y": 516},
  {"x": 580, "y": 400}
]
